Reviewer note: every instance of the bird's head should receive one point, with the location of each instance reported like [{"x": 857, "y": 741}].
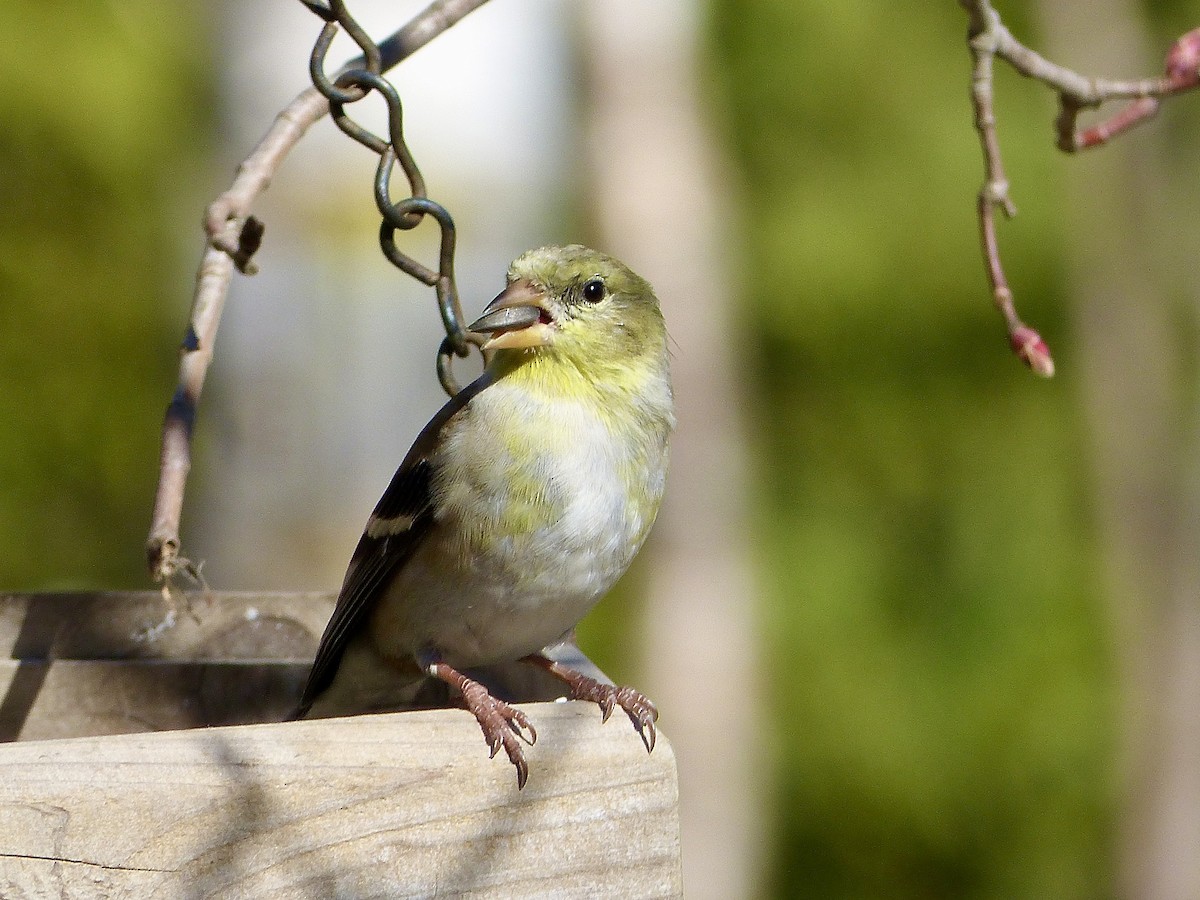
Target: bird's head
[{"x": 575, "y": 305}]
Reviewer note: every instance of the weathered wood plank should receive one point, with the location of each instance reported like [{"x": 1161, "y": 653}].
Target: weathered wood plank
[
  {"x": 80, "y": 698},
  {"x": 401, "y": 805}
]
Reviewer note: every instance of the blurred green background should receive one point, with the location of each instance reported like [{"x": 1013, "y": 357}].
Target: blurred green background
[
  {"x": 107, "y": 111},
  {"x": 943, "y": 701},
  {"x": 924, "y": 527}
]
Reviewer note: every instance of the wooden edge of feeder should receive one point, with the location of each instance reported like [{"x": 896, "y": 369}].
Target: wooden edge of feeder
[{"x": 403, "y": 804}]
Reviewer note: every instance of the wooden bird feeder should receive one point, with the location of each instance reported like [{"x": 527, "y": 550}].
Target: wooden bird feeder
[{"x": 149, "y": 761}]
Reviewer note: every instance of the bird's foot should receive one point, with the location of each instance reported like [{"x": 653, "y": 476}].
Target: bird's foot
[
  {"x": 501, "y": 723},
  {"x": 641, "y": 711}
]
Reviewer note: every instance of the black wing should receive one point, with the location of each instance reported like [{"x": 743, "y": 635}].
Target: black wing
[{"x": 401, "y": 519}]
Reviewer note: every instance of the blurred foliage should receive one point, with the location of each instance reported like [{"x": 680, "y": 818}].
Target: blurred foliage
[
  {"x": 937, "y": 652},
  {"x": 102, "y": 103}
]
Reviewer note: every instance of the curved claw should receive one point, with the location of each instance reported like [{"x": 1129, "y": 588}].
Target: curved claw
[
  {"x": 519, "y": 723},
  {"x": 607, "y": 705},
  {"x": 514, "y": 753},
  {"x": 641, "y": 711},
  {"x": 649, "y": 735},
  {"x": 515, "y": 756}
]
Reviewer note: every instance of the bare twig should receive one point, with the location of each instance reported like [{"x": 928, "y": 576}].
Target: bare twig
[
  {"x": 989, "y": 38},
  {"x": 212, "y": 286},
  {"x": 232, "y": 236},
  {"x": 1181, "y": 72}
]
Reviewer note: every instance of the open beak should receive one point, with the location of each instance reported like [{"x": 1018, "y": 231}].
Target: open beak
[{"x": 518, "y": 317}]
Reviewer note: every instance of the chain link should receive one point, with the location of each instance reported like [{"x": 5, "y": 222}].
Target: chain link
[{"x": 405, "y": 214}]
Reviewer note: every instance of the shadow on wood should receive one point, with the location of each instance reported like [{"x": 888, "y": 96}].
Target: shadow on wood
[{"x": 90, "y": 664}]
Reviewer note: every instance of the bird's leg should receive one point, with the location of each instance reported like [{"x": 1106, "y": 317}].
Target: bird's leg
[
  {"x": 637, "y": 705},
  {"x": 502, "y": 724}
]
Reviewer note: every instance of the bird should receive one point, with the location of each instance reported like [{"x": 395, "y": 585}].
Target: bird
[{"x": 518, "y": 506}]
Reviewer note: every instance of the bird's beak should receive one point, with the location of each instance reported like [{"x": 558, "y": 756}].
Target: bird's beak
[{"x": 519, "y": 317}]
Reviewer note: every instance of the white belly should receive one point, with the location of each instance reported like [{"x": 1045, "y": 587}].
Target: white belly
[{"x": 574, "y": 504}]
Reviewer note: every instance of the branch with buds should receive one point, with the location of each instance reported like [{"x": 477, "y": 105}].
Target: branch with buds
[{"x": 988, "y": 38}]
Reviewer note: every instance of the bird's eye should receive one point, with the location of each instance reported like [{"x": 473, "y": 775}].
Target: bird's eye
[{"x": 593, "y": 290}]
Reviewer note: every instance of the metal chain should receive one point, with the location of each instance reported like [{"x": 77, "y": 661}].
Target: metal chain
[{"x": 398, "y": 215}]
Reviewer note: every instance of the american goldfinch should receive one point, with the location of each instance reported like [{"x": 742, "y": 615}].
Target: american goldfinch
[{"x": 518, "y": 506}]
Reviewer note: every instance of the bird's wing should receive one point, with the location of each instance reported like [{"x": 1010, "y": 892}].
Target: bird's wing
[{"x": 396, "y": 528}]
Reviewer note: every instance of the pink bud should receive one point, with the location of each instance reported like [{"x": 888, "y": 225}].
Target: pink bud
[
  {"x": 1032, "y": 350},
  {"x": 1183, "y": 61}
]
